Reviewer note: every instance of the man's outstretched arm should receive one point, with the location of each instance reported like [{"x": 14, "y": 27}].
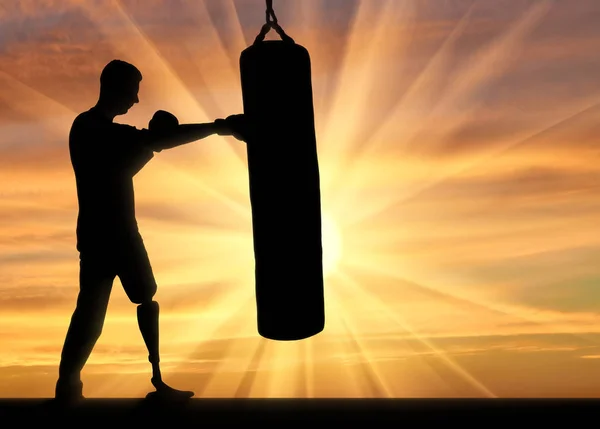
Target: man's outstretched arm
[{"x": 177, "y": 135}]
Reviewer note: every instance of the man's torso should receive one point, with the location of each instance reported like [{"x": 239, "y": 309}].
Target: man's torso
[{"x": 105, "y": 157}]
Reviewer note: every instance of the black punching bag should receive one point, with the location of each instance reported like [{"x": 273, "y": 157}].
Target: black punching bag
[{"x": 284, "y": 186}]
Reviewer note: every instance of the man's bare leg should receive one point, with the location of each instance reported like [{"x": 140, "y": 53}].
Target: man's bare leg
[
  {"x": 148, "y": 314},
  {"x": 85, "y": 328}
]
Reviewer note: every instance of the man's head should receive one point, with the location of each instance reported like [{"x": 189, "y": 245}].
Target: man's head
[{"x": 119, "y": 85}]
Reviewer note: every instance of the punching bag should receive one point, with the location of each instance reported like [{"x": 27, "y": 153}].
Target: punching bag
[{"x": 284, "y": 186}]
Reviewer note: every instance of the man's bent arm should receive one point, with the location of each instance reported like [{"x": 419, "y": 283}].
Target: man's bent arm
[{"x": 183, "y": 134}]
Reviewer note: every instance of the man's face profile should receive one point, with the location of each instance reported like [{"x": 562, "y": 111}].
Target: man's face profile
[{"x": 128, "y": 96}]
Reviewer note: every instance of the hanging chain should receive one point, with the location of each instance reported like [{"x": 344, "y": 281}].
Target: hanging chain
[
  {"x": 272, "y": 23},
  {"x": 271, "y": 18}
]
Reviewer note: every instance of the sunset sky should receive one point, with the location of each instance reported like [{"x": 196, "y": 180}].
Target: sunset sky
[{"x": 459, "y": 151}]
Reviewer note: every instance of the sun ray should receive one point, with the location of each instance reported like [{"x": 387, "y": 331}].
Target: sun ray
[
  {"x": 234, "y": 27},
  {"x": 409, "y": 112},
  {"x": 409, "y": 108},
  {"x": 236, "y": 329},
  {"x": 205, "y": 254},
  {"x": 208, "y": 52},
  {"x": 302, "y": 388},
  {"x": 378, "y": 204},
  {"x": 145, "y": 55},
  {"x": 361, "y": 22},
  {"x": 233, "y": 324},
  {"x": 466, "y": 299},
  {"x": 409, "y": 359},
  {"x": 378, "y": 387},
  {"x": 474, "y": 75},
  {"x": 32, "y": 103},
  {"x": 486, "y": 66},
  {"x": 462, "y": 168},
  {"x": 329, "y": 374},
  {"x": 310, "y": 368},
  {"x": 226, "y": 164},
  {"x": 454, "y": 298},
  {"x": 310, "y": 34},
  {"x": 285, "y": 371},
  {"x": 225, "y": 382},
  {"x": 361, "y": 72},
  {"x": 385, "y": 311},
  {"x": 332, "y": 245},
  {"x": 245, "y": 387},
  {"x": 243, "y": 210}
]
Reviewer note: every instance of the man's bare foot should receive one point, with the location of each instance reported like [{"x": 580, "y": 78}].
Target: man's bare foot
[{"x": 163, "y": 391}]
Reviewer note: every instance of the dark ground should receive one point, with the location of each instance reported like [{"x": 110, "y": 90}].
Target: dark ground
[{"x": 479, "y": 412}]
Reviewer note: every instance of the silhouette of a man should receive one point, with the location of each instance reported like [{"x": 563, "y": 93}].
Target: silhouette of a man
[{"x": 105, "y": 157}]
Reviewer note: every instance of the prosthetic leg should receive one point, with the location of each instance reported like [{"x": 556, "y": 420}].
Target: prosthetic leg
[{"x": 147, "y": 314}]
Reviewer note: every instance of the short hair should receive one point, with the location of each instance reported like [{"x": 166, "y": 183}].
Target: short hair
[{"x": 118, "y": 75}]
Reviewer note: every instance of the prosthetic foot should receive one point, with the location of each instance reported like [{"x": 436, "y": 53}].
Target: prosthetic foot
[{"x": 165, "y": 392}]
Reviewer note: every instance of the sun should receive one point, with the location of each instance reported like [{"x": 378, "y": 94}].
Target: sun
[{"x": 332, "y": 244}]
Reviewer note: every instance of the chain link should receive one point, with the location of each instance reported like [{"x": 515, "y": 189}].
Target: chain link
[
  {"x": 272, "y": 23},
  {"x": 270, "y": 13}
]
